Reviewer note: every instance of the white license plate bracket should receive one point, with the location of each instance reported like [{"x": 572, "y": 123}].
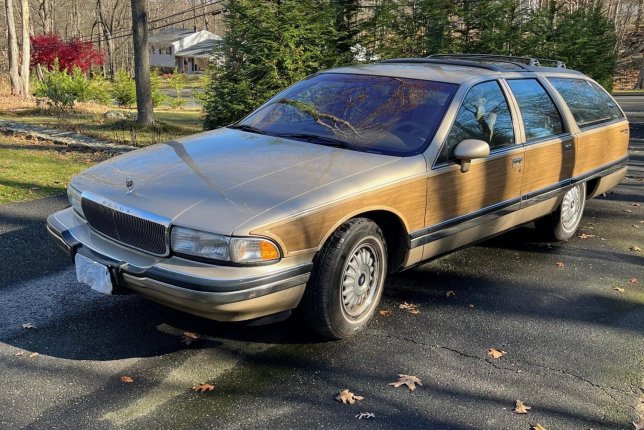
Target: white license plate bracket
[{"x": 94, "y": 274}]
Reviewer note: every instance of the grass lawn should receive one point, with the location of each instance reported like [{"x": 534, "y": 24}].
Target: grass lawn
[
  {"x": 32, "y": 169},
  {"x": 88, "y": 119}
]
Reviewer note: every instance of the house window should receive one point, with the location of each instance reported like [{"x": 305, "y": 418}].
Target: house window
[
  {"x": 152, "y": 50},
  {"x": 169, "y": 50}
]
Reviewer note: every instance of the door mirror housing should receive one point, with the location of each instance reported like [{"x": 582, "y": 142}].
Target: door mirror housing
[{"x": 470, "y": 149}]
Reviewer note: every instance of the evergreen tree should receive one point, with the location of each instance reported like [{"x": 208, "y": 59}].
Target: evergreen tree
[{"x": 270, "y": 45}]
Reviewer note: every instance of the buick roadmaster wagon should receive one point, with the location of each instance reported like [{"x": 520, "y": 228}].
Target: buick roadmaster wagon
[{"x": 349, "y": 175}]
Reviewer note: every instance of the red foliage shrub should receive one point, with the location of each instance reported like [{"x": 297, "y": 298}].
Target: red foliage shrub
[{"x": 46, "y": 48}]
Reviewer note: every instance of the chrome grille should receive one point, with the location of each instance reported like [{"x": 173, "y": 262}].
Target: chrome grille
[{"x": 126, "y": 228}]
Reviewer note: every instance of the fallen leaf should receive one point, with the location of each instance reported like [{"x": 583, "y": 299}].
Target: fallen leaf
[
  {"x": 637, "y": 205},
  {"x": 127, "y": 379},
  {"x": 409, "y": 380},
  {"x": 33, "y": 355},
  {"x": 189, "y": 337},
  {"x": 639, "y": 425},
  {"x": 365, "y": 415},
  {"x": 409, "y": 307},
  {"x": 495, "y": 353},
  {"x": 384, "y": 312},
  {"x": 202, "y": 388},
  {"x": 471, "y": 306},
  {"x": 585, "y": 236},
  {"x": 19, "y": 353},
  {"x": 618, "y": 289},
  {"x": 628, "y": 211},
  {"x": 634, "y": 281},
  {"x": 560, "y": 264},
  {"x": 346, "y": 396},
  {"x": 28, "y": 325},
  {"x": 450, "y": 294},
  {"x": 520, "y": 408},
  {"x": 537, "y": 426},
  {"x": 635, "y": 226},
  {"x": 635, "y": 248}
]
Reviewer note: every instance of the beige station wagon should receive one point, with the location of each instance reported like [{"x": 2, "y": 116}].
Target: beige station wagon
[{"x": 347, "y": 176}]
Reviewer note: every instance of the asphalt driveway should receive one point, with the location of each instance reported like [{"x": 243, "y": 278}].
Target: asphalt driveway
[{"x": 574, "y": 341}]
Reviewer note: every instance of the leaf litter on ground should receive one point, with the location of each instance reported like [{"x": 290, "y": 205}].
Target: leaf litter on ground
[
  {"x": 409, "y": 380},
  {"x": 347, "y": 397}
]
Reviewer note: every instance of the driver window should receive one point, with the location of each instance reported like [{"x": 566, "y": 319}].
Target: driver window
[{"x": 484, "y": 115}]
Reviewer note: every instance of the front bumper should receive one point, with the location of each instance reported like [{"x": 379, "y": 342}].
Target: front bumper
[{"x": 223, "y": 293}]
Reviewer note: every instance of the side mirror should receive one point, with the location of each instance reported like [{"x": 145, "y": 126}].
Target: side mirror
[{"x": 470, "y": 149}]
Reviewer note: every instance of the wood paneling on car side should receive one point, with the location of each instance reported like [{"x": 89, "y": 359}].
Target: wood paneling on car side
[
  {"x": 548, "y": 163},
  {"x": 596, "y": 147},
  {"x": 452, "y": 194},
  {"x": 308, "y": 231}
]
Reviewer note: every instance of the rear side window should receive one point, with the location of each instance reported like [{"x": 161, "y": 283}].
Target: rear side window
[
  {"x": 541, "y": 118},
  {"x": 588, "y": 102},
  {"x": 484, "y": 115}
]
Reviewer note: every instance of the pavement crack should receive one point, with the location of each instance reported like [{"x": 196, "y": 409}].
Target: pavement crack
[{"x": 604, "y": 389}]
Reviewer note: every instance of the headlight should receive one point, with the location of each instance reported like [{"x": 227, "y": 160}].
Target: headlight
[
  {"x": 74, "y": 197},
  {"x": 223, "y": 248}
]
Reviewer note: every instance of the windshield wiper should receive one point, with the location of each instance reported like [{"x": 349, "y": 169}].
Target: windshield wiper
[
  {"x": 246, "y": 127},
  {"x": 314, "y": 138}
]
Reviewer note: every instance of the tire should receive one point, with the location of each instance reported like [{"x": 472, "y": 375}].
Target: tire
[
  {"x": 562, "y": 224},
  {"x": 347, "y": 280}
]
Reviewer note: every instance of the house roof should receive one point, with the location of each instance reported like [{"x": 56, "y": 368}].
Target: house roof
[
  {"x": 203, "y": 49},
  {"x": 169, "y": 35}
]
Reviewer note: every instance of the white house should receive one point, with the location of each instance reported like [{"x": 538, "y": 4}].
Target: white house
[{"x": 186, "y": 50}]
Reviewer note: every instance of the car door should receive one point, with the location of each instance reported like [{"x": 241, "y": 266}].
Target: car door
[
  {"x": 549, "y": 146},
  {"x": 459, "y": 202}
]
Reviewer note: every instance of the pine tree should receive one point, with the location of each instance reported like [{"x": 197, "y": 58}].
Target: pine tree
[{"x": 270, "y": 45}]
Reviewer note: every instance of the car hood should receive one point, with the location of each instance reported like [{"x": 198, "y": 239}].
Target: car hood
[{"x": 217, "y": 180}]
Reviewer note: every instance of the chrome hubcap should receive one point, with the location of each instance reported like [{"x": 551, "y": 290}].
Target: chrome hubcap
[
  {"x": 571, "y": 208},
  {"x": 360, "y": 280}
]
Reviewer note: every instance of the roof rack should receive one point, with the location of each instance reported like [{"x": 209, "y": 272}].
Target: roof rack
[
  {"x": 453, "y": 62},
  {"x": 510, "y": 59}
]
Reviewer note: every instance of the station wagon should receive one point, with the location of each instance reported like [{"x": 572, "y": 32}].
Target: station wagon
[{"x": 354, "y": 173}]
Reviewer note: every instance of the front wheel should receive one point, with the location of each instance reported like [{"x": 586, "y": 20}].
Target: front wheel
[
  {"x": 347, "y": 280},
  {"x": 563, "y": 223}
]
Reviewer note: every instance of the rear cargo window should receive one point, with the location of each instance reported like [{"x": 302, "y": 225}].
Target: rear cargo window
[{"x": 588, "y": 102}]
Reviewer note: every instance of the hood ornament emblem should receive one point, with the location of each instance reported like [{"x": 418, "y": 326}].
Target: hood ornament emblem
[{"x": 129, "y": 183}]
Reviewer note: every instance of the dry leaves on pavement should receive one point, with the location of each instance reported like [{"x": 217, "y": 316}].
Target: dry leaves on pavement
[
  {"x": 19, "y": 353},
  {"x": 410, "y": 307},
  {"x": 635, "y": 248},
  {"x": 638, "y": 425},
  {"x": 634, "y": 281},
  {"x": 33, "y": 355},
  {"x": 365, "y": 415},
  {"x": 618, "y": 289},
  {"x": 203, "y": 387},
  {"x": 189, "y": 337},
  {"x": 409, "y": 380},
  {"x": 28, "y": 325},
  {"x": 384, "y": 312},
  {"x": 560, "y": 264},
  {"x": 585, "y": 236},
  {"x": 495, "y": 353},
  {"x": 537, "y": 426},
  {"x": 450, "y": 294},
  {"x": 127, "y": 379},
  {"x": 347, "y": 397},
  {"x": 520, "y": 408}
]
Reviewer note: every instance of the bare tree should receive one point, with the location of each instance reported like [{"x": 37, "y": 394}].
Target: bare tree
[
  {"x": 145, "y": 112},
  {"x": 12, "y": 50},
  {"x": 26, "y": 49},
  {"x": 107, "y": 34}
]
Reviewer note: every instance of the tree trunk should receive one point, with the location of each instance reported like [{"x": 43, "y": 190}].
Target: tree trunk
[
  {"x": 639, "y": 85},
  {"x": 144, "y": 107},
  {"x": 12, "y": 50},
  {"x": 109, "y": 43},
  {"x": 44, "y": 11},
  {"x": 26, "y": 49}
]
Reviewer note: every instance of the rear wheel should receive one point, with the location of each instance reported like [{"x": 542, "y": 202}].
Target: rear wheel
[
  {"x": 347, "y": 280},
  {"x": 563, "y": 223}
]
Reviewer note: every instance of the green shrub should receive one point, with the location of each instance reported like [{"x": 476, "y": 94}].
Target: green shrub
[
  {"x": 177, "y": 82},
  {"x": 155, "y": 82},
  {"x": 99, "y": 90},
  {"x": 124, "y": 89}
]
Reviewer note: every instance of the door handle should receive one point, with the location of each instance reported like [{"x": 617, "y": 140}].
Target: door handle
[{"x": 516, "y": 161}]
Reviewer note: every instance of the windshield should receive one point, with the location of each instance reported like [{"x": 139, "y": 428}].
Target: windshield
[{"x": 382, "y": 114}]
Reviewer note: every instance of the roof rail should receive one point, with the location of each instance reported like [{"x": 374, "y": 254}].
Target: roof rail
[
  {"x": 452, "y": 62},
  {"x": 491, "y": 58}
]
